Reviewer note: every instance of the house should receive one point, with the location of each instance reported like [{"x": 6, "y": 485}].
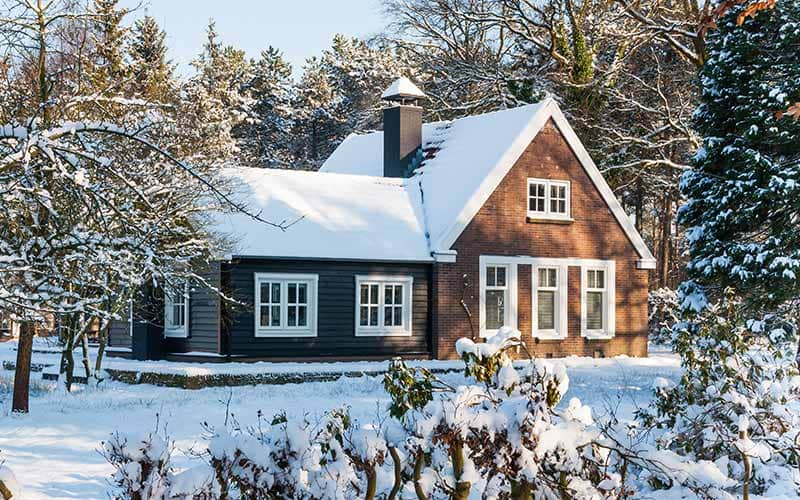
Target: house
[{"x": 410, "y": 238}]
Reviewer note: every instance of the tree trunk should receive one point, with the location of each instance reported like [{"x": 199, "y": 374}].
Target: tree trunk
[
  {"x": 87, "y": 367},
  {"x": 67, "y": 355},
  {"x": 398, "y": 473},
  {"x": 22, "y": 372},
  {"x": 462, "y": 487},
  {"x": 102, "y": 340},
  {"x": 665, "y": 243},
  {"x": 420, "y": 462}
]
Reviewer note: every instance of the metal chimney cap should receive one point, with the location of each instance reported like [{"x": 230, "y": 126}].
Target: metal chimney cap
[{"x": 401, "y": 90}]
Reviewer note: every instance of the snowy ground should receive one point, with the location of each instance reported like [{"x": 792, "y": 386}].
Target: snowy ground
[{"x": 53, "y": 450}]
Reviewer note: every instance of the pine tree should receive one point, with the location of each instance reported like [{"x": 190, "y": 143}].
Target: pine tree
[
  {"x": 214, "y": 102},
  {"x": 152, "y": 73},
  {"x": 317, "y": 126},
  {"x": 108, "y": 72},
  {"x": 744, "y": 192},
  {"x": 265, "y": 138}
]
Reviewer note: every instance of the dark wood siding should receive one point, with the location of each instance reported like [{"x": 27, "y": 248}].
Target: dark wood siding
[
  {"x": 336, "y": 310},
  {"x": 204, "y": 317}
]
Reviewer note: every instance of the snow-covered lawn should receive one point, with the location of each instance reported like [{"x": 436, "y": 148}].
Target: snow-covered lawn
[{"x": 53, "y": 450}]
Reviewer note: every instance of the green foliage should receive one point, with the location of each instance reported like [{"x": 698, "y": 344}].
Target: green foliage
[{"x": 410, "y": 388}]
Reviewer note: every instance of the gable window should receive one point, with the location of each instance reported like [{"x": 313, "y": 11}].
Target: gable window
[
  {"x": 176, "y": 311},
  {"x": 548, "y": 199},
  {"x": 597, "y": 301},
  {"x": 383, "y": 305},
  {"x": 497, "y": 296},
  {"x": 549, "y": 301},
  {"x": 285, "y": 305}
]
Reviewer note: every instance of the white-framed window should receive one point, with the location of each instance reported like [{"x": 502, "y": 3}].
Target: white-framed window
[
  {"x": 549, "y": 300},
  {"x": 548, "y": 199},
  {"x": 286, "y": 305},
  {"x": 498, "y": 295},
  {"x": 383, "y": 305},
  {"x": 598, "y": 300},
  {"x": 176, "y": 311}
]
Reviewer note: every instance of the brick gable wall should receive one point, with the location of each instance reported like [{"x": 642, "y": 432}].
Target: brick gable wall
[{"x": 500, "y": 228}]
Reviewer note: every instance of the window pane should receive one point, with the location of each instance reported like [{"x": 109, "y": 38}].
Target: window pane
[
  {"x": 547, "y": 278},
  {"x": 388, "y": 317},
  {"x": 373, "y": 316},
  {"x": 594, "y": 310},
  {"x": 292, "y": 293},
  {"x": 276, "y": 293},
  {"x": 302, "y": 293},
  {"x": 265, "y": 293},
  {"x": 495, "y": 309},
  {"x": 387, "y": 294},
  {"x": 291, "y": 316},
  {"x": 275, "y": 319},
  {"x": 363, "y": 320},
  {"x": 546, "y": 310},
  {"x": 301, "y": 316},
  {"x": 373, "y": 294},
  {"x": 540, "y": 205},
  {"x": 554, "y": 206},
  {"x": 491, "y": 278},
  {"x": 540, "y": 190},
  {"x": 398, "y": 294},
  {"x": 501, "y": 276},
  {"x": 264, "y": 317},
  {"x": 365, "y": 294},
  {"x": 398, "y": 316}
]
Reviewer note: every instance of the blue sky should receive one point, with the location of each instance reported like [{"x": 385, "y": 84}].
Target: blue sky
[{"x": 300, "y": 28}]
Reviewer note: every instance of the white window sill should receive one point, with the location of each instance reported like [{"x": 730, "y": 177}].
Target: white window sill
[
  {"x": 548, "y": 335},
  {"x": 597, "y": 335},
  {"x": 284, "y": 333},
  {"x": 541, "y": 216},
  {"x": 176, "y": 334},
  {"x": 382, "y": 332}
]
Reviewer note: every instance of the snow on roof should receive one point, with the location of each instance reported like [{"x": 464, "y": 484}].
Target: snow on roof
[
  {"x": 338, "y": 216},
  {"x": 467, "y": 149},
  {"x": 403, "y": 87},
  {"x": 352, "y": 212}
]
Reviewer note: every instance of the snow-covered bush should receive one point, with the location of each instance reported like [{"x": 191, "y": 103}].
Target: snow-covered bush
[
  {"x": 9, "y": 487},
  {"x": 664, "y": 313},
  {"x": 142, "y": 465},
  {"x": 738, "y": 402}
]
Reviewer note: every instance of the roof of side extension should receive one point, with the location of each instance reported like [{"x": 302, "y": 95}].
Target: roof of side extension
[
  {"x": 331, "y": 216},
  {"x": 386, "y": 219}
]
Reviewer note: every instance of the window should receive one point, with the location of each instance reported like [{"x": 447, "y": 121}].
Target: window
[
  {"x": 548, "y": 199},
  {"x": 598, "y": 298},
  {"x": 176, "y": 309},
  {"x": 496, "y": 296},
  {"x": 286, "y": 305},
  {"x": 383, "y": 305},
  {"x": 498, "y": 292}
]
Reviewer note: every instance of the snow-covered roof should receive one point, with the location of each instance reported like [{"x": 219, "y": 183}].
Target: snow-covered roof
[
  {"x": 337, "y": 216},
  {"x": 403, "y": 87},
  {"x": 352, "y": 211}
]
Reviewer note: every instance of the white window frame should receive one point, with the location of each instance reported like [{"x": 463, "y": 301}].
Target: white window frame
[
  {"x": 380, "y": 330},
  {"x": 609, "y": 300},
  {"x": 548, "y": 213},
  {"x": 562, "y": 296},
  {"x": 171, "y": 331},
  {"x": 283, "y": 330},
  {"x": 510, "y": 311}
]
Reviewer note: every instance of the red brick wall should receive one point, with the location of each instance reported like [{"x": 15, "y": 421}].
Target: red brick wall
[{"x": 500, "y": 228}]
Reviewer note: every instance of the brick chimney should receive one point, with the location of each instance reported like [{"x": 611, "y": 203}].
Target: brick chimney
[{"x": 402, "y": 127}]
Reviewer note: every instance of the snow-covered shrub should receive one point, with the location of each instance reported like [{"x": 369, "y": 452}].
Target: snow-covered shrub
[
  {"x": 9, "y": 487},
  {"x": 664, "y": 313},
  {"x": 141, "y": 463},
  {"x": 738, "y": 402}
]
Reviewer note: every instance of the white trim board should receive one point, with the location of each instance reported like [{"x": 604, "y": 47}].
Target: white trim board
[{"x": 548, "y": 109}]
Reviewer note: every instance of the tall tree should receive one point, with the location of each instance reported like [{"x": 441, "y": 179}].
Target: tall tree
[
  {"x": 317, "y": 127},
  {"x": 265, "y": 137},
  {"x": 152, "y": 74},
  {"x": 108, "y": 70}
]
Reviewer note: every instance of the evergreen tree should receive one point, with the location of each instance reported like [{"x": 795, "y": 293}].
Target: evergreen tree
[
  {"x": 152, "y": 73},
  {"x": 214, "y": 102},
  {"x": 743, "y": 196},
  {"x": 265, "y": 137},
  {"x": 317, "y": 127},
  {"x": 109, "y": 71}
]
